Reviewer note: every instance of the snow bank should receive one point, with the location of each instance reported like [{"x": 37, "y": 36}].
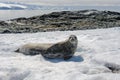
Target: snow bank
[
  {"x": 6, "y": 5},
  {"x": 96, "y": 48}
]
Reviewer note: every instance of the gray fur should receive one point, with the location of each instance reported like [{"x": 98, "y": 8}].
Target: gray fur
[{"x": 64, "y": 49}]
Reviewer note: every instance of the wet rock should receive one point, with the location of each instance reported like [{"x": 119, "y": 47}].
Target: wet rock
[{"x": 113, "y": 67}]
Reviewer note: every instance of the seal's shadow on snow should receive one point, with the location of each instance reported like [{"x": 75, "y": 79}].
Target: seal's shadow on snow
[{"x": 73, "y": 59}]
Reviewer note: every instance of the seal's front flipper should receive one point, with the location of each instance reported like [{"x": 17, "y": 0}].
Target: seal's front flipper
[{"x": 67, "y": 57}]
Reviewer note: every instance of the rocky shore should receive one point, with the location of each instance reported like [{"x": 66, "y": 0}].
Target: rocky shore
[{"x": 62, "y": 21}]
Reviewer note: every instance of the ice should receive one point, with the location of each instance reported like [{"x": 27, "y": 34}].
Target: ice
[{"x": 97, "y": 54}]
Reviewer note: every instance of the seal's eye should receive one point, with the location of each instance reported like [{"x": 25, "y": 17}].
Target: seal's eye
[{"x": 75, "y": 37}]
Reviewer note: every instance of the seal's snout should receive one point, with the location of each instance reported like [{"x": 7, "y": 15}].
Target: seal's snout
[{"x": 72, "y": 38}]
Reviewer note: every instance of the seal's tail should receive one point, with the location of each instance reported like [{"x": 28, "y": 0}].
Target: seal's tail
[{"x": 17, "y": 50}]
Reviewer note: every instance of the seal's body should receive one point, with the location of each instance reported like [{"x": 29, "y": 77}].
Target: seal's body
[{"x": 64, "y": 49}]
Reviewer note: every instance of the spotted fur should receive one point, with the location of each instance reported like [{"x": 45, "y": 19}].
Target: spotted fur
[{"x": 64, "y": 49}]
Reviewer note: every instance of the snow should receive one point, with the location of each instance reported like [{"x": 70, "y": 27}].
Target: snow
[
  {"x": 96, "y": 48},
  {"x": 90, "y": 12},
  {"x": 12, "y": 5},
  {"x": 4, "y": 5},
  {"x": 21, "y": 6}
]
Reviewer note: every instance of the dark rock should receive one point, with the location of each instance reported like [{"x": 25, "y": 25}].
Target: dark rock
[
  {"x": 6, "y": 31},
  {"x": 64, "y": 20},
  {"x": 3, "y": 23},
  {"x": 113, "y": 67}
]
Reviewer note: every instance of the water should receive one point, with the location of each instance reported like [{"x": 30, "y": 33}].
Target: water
[{"x": 10, "y": 14}]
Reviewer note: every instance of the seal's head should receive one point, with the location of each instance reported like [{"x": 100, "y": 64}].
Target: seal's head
[{"x": 73, "y": 39}]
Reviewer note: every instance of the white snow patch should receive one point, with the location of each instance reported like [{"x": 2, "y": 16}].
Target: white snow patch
[
  {"x": 12, "y": 5},
  {"x": 90, "y": 12},
  {"x": 5, "y": 5},
  {"x": 95, "y": 48}
]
